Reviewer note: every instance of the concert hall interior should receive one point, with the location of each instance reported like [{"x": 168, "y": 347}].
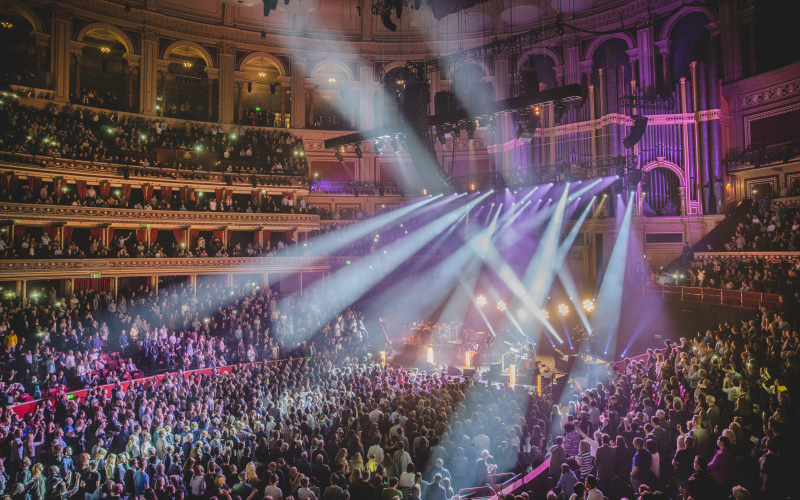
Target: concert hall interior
[{"x": 399, "y": 249}]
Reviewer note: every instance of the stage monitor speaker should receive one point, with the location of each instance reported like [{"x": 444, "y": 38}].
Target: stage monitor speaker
[
  {"x": 495, "y": 369},
  {"x": 637, "y": 131},
  {"x": 454, "y": 371},
  {"x": 469, "y": 372},
  {"x": 444, "y": 102},
  {"x": 564, "y": 365}
]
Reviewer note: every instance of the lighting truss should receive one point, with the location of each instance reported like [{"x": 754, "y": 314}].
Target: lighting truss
[{"x": 515, "y": 44}]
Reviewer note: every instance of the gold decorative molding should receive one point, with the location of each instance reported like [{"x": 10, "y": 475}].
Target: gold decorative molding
[
  {"x": 47, "y": 215},
  {"x": 82, "y": 268}
]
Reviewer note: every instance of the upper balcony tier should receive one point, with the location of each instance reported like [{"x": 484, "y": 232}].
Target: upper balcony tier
[{"x": 77, "y": 216}]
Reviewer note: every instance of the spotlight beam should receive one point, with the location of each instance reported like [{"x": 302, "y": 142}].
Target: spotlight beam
[
  {"x": 352, "y": 282},
  {"x": 609, "y": 299}
]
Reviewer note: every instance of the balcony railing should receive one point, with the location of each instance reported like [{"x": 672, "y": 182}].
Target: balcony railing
[
  {"x": 77, "y": 216},
  {"x": 762, "y": 155},
  {"x": 26, "y": 269},
  {"x": 95, "y": 172},
  {"x": 735, "y": 298}
]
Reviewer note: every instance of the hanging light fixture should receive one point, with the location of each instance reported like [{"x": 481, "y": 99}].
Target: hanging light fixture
[
  {"x": 7, "y": 25},
  {"x": 331, "y": 80},
  {"x": 262, "y": 75},
  {"x": 105, "y": 50}
]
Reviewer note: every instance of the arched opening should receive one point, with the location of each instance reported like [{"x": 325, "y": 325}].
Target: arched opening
[
  {"x": 332, "y": 104},
  {"x": 662, "y": 197},
  {"x": 262, "y": 94},
  {"x": 468, "y": 85},
  {"x": 23, "y": 62},
  {"x": 689, "y": 42},
  {"x": 99, "y": 75},
  {"x": 186, "y": 90}
]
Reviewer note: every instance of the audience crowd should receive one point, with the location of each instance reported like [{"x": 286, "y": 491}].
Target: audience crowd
[{"x": 78, "y": 134}]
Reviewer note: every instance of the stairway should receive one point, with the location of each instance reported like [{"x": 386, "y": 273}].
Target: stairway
[{"x": 720, "y": 235}]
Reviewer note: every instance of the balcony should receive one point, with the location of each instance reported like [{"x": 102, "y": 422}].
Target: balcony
[
  {"x": 29, "y": 269},
  {"x": 94, "y": 172}
]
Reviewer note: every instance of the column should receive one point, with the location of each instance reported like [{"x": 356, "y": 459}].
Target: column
[
  {"x": 366, "y": 93},
  {"x": 646, "y": 69},
  {"x": 78, "y": 55},
  {"x": 227, "y": 55},
  {"x": 633, "y": 57},
  {"x": 572, "y": 61},
  {"x": 61, "y": 30},
  {"x": 24, "y": 291},
  {"x": 731, "y": 46},
  {"x": 213, "y": 76},
  {"x": 286, "y": 84},
  {"x": 301, "y": 282},
  {"x": 42, "y": 42},
  {"x": 239, "y": 100},
  {"x": 155, "y": 284},
  {"x": 592, "y": 114},
  {"x": 714, "y": 125},
  {"x": 311, "y": 89},
  {"x": 664, "y": 50},
  {"x": 116, "y": 287},
  {"x": 164, "y": 104},
  {"x": 298, "y": 109},
  {"x": 148, "y": 72},
  {"x": 133, "y": 70},
  {"x": 559, "y": 75},
  {"x": 353, "y": 93}
]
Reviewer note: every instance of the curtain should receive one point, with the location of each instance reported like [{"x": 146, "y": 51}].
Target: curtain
[
  {"x": 266, "y": 237},
  {"x": 126, "y": 191},
  {"x": 59, "y": 185},
  {"x": 180, "y": 236},
  {"x": 147, "y": 192},
  {"x": 141, "y": 236},
  {"x": 81, "y": 188},
  {"x": 19, "y": 232},
  {"x": 110, "y": 236},
  {"x": 34, "y": 182},
  {"x": 193, "y": 235},
  {"x": 224, "y": 236},
  {"x": 97, "y": 284},
  {"x": 287, "y": 194},
  {"x": 52, "y": 233},
  {"x": 153, "y": 234},
  {"x": 105, "y": 189},
  {"x": 166, "y": 193},
  {"x": 218, "y": 194},
  {"x": 67, "y": 233}
]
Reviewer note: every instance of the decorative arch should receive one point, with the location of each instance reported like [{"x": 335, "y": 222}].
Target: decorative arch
[
  {"x": 336, "y": 62},
  {"x": 602, "y": 38},
  {"x": 488, "y": 71},
  {"x": 666, "y": 164},
  {"x": 666, "y": 29},
  {"x": 123, "y": 38},
  {"x": 539, "y": 51},
  {"x": 196, "y": 46},
  {"x": 274, "y": 60},
  {"x": 22, "y": 10}
]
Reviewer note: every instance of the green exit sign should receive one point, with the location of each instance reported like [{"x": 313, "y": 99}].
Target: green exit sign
[{"x": 95, "y": 276}]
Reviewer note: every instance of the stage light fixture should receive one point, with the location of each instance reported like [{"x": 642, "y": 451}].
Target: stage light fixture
[
  {"x": 546, "y": 314},
  {"x": 440, "y": 135},
  {"x": 378, "y": 148},
  {"x": 481, "y": 300},
  {"x": 339, "y": 157},
  {"x": 382, "y": 355},
  {"x": 456, "y": 131},
  {"x": 263, "y": 35},
  {"x": 588, "y": 305},
  {"x": 471, "y": 126},
  {"x": 430, "y": 355},
  {"x": 394, "y": 145},
  {"x": 512, "y": 369},
  {"x": 386, "y": 19},
  {"x": 501, "y": 306},
  {"x": 359, "y": 155},
  {"x": 468, "y": 358},
  {"x": 522, "y": 314},
  {"x": 563, "y": 309}
]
